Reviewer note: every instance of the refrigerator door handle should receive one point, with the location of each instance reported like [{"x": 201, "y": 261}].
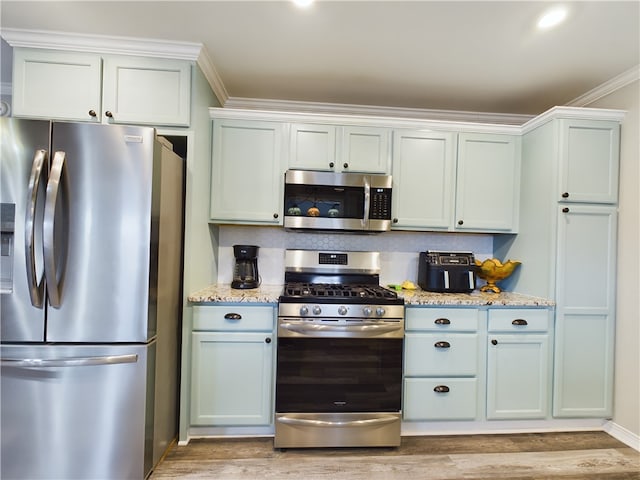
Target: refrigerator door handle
[
  {"x": 68, "y": 362},
  {"x": 36, "y": 288},
  {"x": 53, "y": 188}
]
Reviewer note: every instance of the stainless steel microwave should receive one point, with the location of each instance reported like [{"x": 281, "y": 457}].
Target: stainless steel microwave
[{"x": 357, "y": 202}]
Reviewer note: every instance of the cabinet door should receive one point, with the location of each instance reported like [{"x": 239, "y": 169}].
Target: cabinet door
[
  {"x": 147, "y": 91},
  {"x": 365, "y": 149},
  {"x": 518, "y": 376},
  {"x": 589, "y": 154},
  {"x": 56, "y": 85},
  {"x": 231, "y": 378},
  {"x": 488, "y": 183},
  {"x": 423, "y": 180},
  {"x": 312, "y": 147},
  {"x": 585, "y": 311},
  {"x": 246, "y": 173}
]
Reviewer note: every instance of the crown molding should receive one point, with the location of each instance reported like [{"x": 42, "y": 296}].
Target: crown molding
[
  {"x": 366, "y": 110},
  {"x": 211, "y": 74},
  {"x": 574, "y": 112},
  {"x": 52, "y": 40},
  {"x": 616, "y": 83}
]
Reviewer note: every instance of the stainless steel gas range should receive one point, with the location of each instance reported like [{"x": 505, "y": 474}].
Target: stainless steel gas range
[{"x": 339, "y": 354}]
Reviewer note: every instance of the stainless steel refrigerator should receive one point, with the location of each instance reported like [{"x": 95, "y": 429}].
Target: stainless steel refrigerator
[{"x": 91, "y": 227}]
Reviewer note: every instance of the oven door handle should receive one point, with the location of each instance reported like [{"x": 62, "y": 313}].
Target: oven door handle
[
  {"x": 365, "y": 327},
  {"x": 349, "y": 423}
]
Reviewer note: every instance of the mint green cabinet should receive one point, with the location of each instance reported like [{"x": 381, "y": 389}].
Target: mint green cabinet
[
  {"x": 247, "y": 172},
  {"x": 455, "y": 182},
  {"x": 487, "y": 183},
  {"x": 585, "y": 275},
  {"x": 232, "y": 364},
  {"x": 337, "y": 148},
  {"x": 423, "y": 180},
  {"x": 441, "y": 364},
  {"x": 518, "y": 364},
  {"x": 101, "y": 88}
]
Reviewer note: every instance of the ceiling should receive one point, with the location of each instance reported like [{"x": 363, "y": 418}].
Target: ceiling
[{"x": 472, "y": 56}]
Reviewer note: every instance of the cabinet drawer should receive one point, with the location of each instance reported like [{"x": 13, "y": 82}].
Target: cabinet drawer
[
  {"x": 438, "y": 354},
  {"x": 509, "y": 320},
  {"x": 233, "y": 318},
  {"x": 440, "y": 399},
  {"x": 442, "y": 319}
]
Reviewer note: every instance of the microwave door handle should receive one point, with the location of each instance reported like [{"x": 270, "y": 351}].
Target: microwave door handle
[
  {"x": 367, "y": 199},
  {"x": 48, "y": 228},
  {"x": 36, "y": 289}
]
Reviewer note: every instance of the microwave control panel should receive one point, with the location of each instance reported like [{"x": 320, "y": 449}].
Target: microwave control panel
[{"x": 380, "y": 208}]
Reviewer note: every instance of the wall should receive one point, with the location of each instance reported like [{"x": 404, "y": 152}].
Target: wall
[
  {"x": 399, "y": 250},
  {"x": 627, "y": 380}
]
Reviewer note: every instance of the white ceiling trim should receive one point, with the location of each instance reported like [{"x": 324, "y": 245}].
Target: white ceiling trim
[
  {"x": 211, "y": 74},
  {"x": 622, "y": 80},
  {"x": 101, "y": 44},
  {"x": 365, "y": 110}
]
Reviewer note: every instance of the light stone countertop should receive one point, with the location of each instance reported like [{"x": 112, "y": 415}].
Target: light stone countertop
[{"x": 223, "y": 293}]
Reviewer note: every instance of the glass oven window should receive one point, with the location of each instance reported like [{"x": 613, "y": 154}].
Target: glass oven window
[
  {"x": 324, "y": 201},
  {"x": 328, "y": 375}
]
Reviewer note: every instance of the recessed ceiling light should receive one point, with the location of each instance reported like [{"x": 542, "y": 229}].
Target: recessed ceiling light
[
  {"x": 552, "y": 17},
  {"x": 302, "y": 3}
]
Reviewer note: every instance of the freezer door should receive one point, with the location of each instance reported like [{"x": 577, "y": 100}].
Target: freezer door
[
  {"x": 24, "y": 146},
  {"x": 73, "y": 412},
  {"x": 98, "y": 234}
]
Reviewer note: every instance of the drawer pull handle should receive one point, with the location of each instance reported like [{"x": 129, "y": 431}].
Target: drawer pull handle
[
  {"x": 441, "y": 389},
  {"x": 233, "y": 316},
  {"x": 442, "y": 345},
  {"x": 442, "y": 321},
  {"x": 565, "y": 210},
  {"x": 565, "y": 195},
  {"x": 494, "y": 342},
  {"x": 519, "y": 321}
]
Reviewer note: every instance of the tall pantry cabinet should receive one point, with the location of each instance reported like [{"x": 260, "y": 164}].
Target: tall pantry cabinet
[{"x": 567, "y": 246}]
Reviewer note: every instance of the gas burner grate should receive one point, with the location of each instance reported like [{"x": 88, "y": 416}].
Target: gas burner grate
[{"x": 330, "y": 290}]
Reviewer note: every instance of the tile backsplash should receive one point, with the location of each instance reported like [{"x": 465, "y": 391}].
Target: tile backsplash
[{"x": 398, "y": 250}]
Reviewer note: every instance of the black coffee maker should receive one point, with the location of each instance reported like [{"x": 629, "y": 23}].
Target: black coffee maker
[{"x": 245, "y": 273}]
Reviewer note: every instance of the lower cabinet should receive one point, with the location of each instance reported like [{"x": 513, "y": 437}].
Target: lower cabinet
[
  {"x": 232, "y": 366},
  {"x": 441, "y": 364},
  {"x": 518, "y": 364}
]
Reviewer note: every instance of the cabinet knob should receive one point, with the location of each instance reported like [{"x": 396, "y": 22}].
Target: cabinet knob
[
  {"x": 92, "y": 113},
  {"x": 345, "y": 165},
  {"x": 275, "y": 215},
  {"x": 267, "y": 340},
  {"x": 565, "y": 210},
  {"x": 233, "y": 316},
  {"x": 565, "y": 195},
  {"x": 442, "y": 321},
  {"x": 331, "y": 164},
  {"x": 441, "y": 389},
  {"x": 395, "y": 220},
  {"x": 519, "y": 321},
  {"x": 460, "y": 222},
  {"x": 494, "y": 342},
  {"x": 108, "y": 114},
  {"x": 442, "y": 345}
]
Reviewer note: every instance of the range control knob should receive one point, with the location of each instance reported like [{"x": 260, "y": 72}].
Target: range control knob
[
  {"x": 367, "y": 311},
  {"x": 304, "y": 310},
  {"x": 342, "y": 310},
  {"x": 317, "y": 310},
  {"x": 380, "y": 311}
]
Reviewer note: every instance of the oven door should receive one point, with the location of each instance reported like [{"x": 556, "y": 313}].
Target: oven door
[{"x": 339, "y": 375}]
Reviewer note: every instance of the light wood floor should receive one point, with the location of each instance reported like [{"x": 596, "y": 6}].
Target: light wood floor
[{"x": 547, "y": 456}]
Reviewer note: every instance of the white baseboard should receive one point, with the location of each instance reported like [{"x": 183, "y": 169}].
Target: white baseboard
[{"x": 625, "y": 436}]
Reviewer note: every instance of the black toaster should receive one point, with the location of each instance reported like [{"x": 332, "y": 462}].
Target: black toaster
[{"x": 447, "y": 272}]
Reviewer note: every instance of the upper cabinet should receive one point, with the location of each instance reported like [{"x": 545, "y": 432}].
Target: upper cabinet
[
  {"x": 247, "y": 172},
  {"x": 464, "y": 182},
  {"x": 101, "y": 88},
  {"x": 339, "y": 148},
  {"x": 487, "y": 183},
  {"x": 589, "y": 152}
]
